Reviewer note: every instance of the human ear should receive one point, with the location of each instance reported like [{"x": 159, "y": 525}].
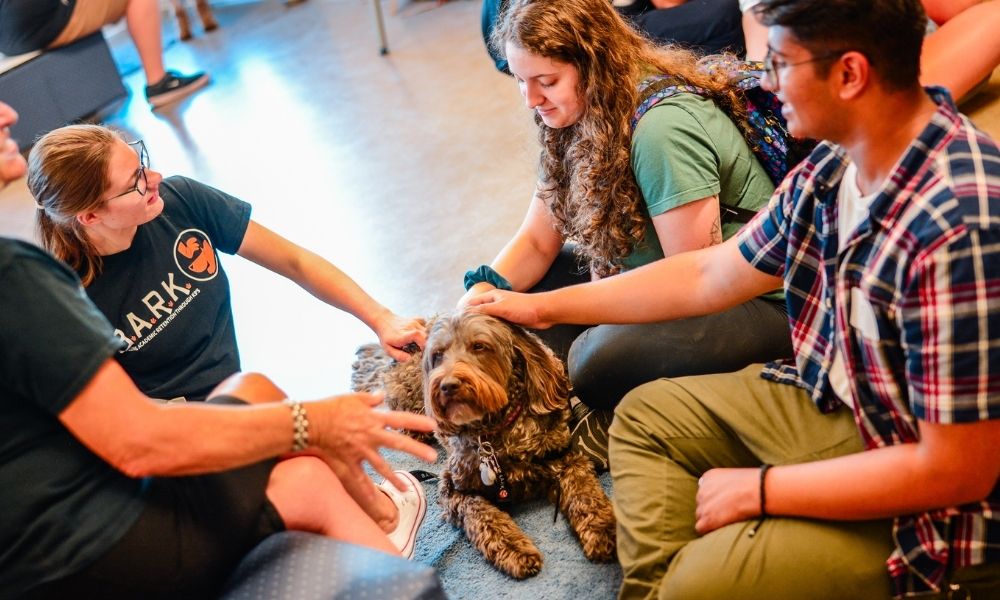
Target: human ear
[
  {"x": 88, "y": 218},
  {"x": 854, "y": 72}
]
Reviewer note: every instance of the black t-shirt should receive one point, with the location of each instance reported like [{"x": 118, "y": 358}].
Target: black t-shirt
[
  {"x": 61, "y": 506},
  {"x": 29, "y": 25},
  {"x": 167, "y": 296}
]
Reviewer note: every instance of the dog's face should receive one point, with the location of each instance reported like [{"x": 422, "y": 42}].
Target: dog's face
[{"x": 472, "y": 362}]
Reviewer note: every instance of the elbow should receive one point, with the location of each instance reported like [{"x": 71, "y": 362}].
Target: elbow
[
  {"x": 136, "y": 453},
  {"x": 972, "y": 488},
  {"x": 136, "y": 460},
  {"x": 959, "y": 486}
]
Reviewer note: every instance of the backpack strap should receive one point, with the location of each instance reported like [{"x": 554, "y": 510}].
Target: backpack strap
[{"x": 654, "y": 89}]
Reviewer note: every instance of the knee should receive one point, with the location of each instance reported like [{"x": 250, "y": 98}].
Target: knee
[
  {"x": 599, "y": 369},
  {"x": 303, "y": 473},
  {"x": 253, "y": 388},
  {"x": 637, "y": 411},
  {"x": 304, "y": 491}
]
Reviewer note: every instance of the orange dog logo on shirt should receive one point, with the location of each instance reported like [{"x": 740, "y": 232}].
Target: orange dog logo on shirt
[{"x": 195, "y": 255}]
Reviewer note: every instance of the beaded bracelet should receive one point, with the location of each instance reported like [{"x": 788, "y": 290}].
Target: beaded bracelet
[
  {"x": 486, "y": 274},
  {"x": 300, "y": 425}
]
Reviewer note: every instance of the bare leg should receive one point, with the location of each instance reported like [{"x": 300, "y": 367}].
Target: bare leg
[
  {"x": 941, "y": 11},
  {"x": 207, "y": 16},
  {"x": 963, "y": 51},
  {"x": 252, "y": 388},
  {"x": 143, "y": 19},
  {"x": 255, "y": 388},
  {"x": 309, "y": 497},
  {"x": 183, "y": 22}
]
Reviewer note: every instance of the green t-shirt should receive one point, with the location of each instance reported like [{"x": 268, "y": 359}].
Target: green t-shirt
[{"x": 685, "y": 149}]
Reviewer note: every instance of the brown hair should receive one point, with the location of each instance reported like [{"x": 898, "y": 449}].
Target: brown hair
[
  {"x": 68, "y": 175},
  {"x": 586, "y": 176}
]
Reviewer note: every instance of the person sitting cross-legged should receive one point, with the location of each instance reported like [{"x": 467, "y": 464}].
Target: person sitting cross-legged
[
  {"x": 109, "y": 494},
  {"x": 883, "y": 432}
]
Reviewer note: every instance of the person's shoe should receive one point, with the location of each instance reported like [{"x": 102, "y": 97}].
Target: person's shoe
[
  {"x": 173, "y": 87},
  {"x": 589, "y": 433},
  {"x": 412, "y": 506}
]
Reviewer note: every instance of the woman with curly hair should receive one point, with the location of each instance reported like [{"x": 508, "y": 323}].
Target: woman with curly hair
[{"x": 611, "y": 199}]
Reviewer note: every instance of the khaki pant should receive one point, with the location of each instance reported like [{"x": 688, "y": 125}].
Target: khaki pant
[
  {"x": 89, "y": 16},
  {"x": 667, "y": 433}
]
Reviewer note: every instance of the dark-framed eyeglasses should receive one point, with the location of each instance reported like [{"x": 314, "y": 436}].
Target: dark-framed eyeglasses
[
  {"x": 772, "y": 65},
  {"x": 141, "y": 184}
]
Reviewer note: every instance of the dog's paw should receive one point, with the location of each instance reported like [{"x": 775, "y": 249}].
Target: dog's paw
[
  {"x": 599, "y": 545},
  {"x": 598, "y": 536},
  {"x": 521, "y": 563}
]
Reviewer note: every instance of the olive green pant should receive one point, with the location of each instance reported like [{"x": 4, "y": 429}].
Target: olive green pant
[{"x": 667, "y": 433}]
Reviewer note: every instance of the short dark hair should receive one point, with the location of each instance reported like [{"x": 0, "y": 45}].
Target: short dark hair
[{"x": 889, "y": 33}]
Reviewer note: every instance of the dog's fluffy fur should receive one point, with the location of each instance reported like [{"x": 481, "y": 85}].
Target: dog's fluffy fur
[{"x": 483, "y": 379}]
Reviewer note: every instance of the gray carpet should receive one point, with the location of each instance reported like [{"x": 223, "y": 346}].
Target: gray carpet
[{"x": 465, "y": 574}]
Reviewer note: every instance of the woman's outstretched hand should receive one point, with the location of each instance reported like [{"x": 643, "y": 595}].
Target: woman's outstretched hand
[{"x": 351, "y": 431}]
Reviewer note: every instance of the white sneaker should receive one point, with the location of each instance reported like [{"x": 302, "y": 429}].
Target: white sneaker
[{"x": 412, "y": 506}]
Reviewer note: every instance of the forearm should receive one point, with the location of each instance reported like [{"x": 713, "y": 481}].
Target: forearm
[
  {"x": 313, "y": 273},
  {"x": 191, "y": 439},
  {"x": 141, "y": 437},
  {"x": 524, "y": 261},
  {"x": 686, "y": 285},
  {"x": 880, "y": 483},
  {"x": 326, "y": 282}
]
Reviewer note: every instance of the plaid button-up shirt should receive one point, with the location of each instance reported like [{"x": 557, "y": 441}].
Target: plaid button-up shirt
[{"x": 912, "y": 301}]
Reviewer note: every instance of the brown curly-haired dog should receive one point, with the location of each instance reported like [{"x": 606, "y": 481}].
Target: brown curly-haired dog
[{"x": 500, "y": 399}]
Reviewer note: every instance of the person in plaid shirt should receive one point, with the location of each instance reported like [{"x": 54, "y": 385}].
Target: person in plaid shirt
[{"x": 887, "y": 242}]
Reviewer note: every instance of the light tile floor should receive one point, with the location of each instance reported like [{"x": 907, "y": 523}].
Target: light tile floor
[{"x": 404, "y": 170}]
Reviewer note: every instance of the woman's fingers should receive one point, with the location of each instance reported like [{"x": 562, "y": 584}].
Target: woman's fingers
[
  {"x": 404, "y": 420},
  {"x": 404, "y": 443}
]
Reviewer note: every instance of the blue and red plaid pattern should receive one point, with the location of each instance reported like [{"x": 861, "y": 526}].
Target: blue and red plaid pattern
[{"x": 914, "y": 298}]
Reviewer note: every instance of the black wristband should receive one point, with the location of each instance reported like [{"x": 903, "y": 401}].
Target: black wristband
[{"x": 763, "y": 499}]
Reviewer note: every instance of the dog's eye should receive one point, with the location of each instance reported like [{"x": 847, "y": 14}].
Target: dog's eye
[
  {"x": 436, "y": 357},
  {"x": 479, "y": 347}
]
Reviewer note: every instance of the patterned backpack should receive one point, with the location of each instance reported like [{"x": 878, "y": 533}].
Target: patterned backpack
[{"x": 767, "y": 137}]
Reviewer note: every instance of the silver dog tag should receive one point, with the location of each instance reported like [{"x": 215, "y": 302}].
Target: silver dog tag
[{"x": 486, "y": 473}]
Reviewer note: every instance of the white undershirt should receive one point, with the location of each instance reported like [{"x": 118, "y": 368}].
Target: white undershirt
[{"x": 852, "y": 209}]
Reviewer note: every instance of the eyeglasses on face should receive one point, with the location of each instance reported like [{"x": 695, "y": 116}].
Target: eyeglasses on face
[
  {"x": 773, "y": 64},
  {"x": 141, "y": 184}
]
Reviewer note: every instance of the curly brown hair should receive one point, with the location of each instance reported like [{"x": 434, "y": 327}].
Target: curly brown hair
[{"x": 586, "y": 174}]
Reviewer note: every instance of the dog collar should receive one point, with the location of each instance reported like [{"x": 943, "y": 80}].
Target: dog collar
[{"x": 507, "y": 422}]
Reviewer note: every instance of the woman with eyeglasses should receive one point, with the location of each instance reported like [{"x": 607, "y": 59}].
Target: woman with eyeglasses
[
  {"x": 146, "y": 248},
  {"x": 627, "y": 197}
]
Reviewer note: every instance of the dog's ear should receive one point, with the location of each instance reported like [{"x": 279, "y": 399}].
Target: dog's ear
[{"x": 545, "y": 375}]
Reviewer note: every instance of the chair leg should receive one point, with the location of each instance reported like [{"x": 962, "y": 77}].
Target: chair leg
[
  {"x": 183, "y": 22},
  {"x": 207, "y": 16}
]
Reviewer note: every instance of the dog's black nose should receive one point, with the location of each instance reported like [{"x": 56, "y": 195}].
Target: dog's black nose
[{"x": 448, "y": 387}]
